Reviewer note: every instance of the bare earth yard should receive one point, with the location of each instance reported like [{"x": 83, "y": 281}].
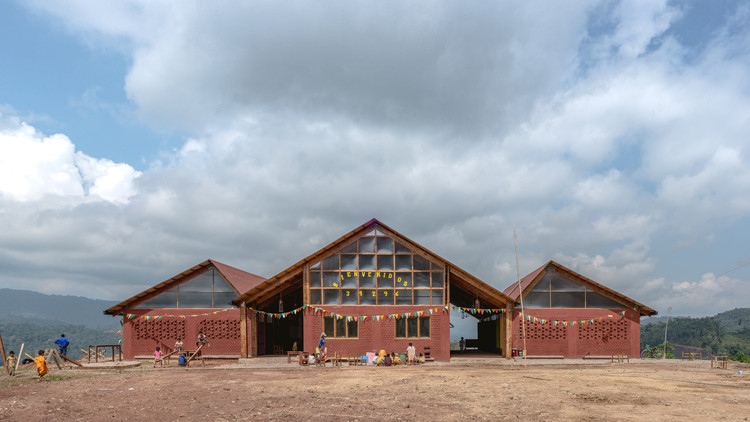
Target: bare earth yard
[{"x": 466, "y": 389}]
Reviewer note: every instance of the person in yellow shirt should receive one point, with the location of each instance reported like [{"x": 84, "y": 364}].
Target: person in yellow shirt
[
  {"x": 41, "y": 365},
  {"x": 11, "y": 362}
]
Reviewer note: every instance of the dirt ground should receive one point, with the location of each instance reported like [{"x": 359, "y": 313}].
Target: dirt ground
[{"x": 465, "y": 389}]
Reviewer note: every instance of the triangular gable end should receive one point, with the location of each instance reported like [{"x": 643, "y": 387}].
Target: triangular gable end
[{"x": 205, "y": 289}]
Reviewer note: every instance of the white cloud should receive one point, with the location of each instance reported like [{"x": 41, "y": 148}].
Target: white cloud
[{"x": 33, "y": 166}]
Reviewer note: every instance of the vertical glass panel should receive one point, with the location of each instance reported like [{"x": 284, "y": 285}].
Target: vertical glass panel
[
  {"x": 568, "y": 300},
  {"x": 315, "y": 266},
  {"x": 371, "y": 233},
  {"x": 400, "y": 328},
  {"x": 328, "y": 326},
  {"x": 314, "y": 278},
  {"x": 412, "y": 327},
  {"x": 349, "y": 279},
  {"x": 403, "y": 262},
  {"x": 348, "y": 262},
  {"x": 385, "y": 245},
  {"x": 340, "y": 327},
  {"x": 437, "y": 297},
  {"x": 164, "y": 300},
  {"x": 564, "y": 284},
  {"x": 196, "y": 300},
  {"x": 543, "y": 284},
  {"x": 224, "y": 299},
  {"x": 350, "y": 248},
  {"x": 379, "y": 233},
  {"x": 367, "y": 297},
  {"x": 597, "y": 300},
  {"x": 437, "y": 279},
  {"x": 367, "y": 245},
  {"x": 331, "y": 263},
  {"x": 367, "y": 262},
  {"x": 403, "y": 296},
  {"x": 315, "y": 297},
  {"x": 401, "y": 248},
  {"x": 403, "y": 280},
  {"x": 536, "y": 300},
  {"x": 366, "y": 279},
  {"x": 352, "y": 328},
  {"x": 385, "y": 262},
  {"x": 424, "y": 327},
  {"x": 421, "y": 264},
  {"x": 385, "y": 279},
  {"x": 331, "y": 279},
  {"x": 421, "y": 296},
  {"x": 203, "y": 282},
  {"x": 220, "y": 285},
  {"x": 421, "y": 279},
  {"x": 331, "y": 296},
  {"x": 385, "y": 297},
  {"x": 349, "y": 296}
]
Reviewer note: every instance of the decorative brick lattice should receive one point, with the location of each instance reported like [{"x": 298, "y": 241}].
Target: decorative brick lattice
[
  {"x": 545, "y": 332},
  {"x": 612, "y": 330},
  {"x": 159, "y": 329},
  {"x": 220, "y": 329}
]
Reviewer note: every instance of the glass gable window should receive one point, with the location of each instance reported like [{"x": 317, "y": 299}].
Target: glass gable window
[
  {"x": 557, "y": 291},
  {"x": 376, "y": 269},
  {"x": 205, "y": 290}
]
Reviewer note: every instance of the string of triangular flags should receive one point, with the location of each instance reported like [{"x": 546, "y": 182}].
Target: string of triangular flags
[
  {"x": 379, "y": 317},
  {"x": 566, "y": 323},
  {"x": 150, "y": 317}
]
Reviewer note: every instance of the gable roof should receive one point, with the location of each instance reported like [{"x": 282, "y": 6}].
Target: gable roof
[
  {"x": 239, "y": 280},
  {"x": 532, "y": 277},
  {"x": 292, "y": 276}
]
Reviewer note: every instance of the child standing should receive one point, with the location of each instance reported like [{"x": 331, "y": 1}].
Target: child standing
[
  {"x": 158, "y": 357},
  {"x": 41, "y": 365},
  {"x": 178, "y": 345},
  {"x": 12, "y": 360}
]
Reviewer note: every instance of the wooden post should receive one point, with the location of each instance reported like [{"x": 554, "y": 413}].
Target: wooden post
[
  {"x": 253, "y": 334},
  {"x": 507, "y": 332},
  {"x": 243, "y": 330},
  {"x": 5, "y": 361},
  {"x": 19, "y": 356}
]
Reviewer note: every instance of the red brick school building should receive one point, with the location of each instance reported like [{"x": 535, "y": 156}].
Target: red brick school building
[{"x": 374, "y": 289}]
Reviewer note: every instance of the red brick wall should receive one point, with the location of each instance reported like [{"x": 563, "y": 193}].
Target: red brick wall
[
  {"x": 141, "y": 336},
  {"x": 376, "y": 335},
  {"x": 618, "y": 335}
]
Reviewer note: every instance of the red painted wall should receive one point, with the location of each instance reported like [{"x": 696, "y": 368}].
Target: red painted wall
[
  {"x": 376, "y": 335},
  {"x": 141, "y": 336},
  {"x": 617, "y": 335}
]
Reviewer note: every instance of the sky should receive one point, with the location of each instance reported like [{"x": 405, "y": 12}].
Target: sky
[{"x": 140, "y": 138}]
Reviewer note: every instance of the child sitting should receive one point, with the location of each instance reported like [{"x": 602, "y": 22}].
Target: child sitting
[
  {"x": 183, "y": 360},
  {"x": 158, "y": 357},
  {"x": 395, "y": 359},
  {"x": 420, "y": 359}
]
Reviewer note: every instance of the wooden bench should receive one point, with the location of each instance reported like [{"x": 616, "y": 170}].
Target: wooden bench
[
  {"x": 613, "y": 357},
  {"x": 294, "y": 353},
  {"x": 691, "y": 355},
  {"x": 719, "y": 362}
]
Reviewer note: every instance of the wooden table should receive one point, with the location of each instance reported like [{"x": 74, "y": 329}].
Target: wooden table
[
  {"x": 294, "y": 353},
  {"x": 105, "y": 346}
]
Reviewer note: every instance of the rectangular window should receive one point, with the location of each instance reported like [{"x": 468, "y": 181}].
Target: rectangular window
[
  {"x": 340, "y": 327},
  {"x": 413, "y": 327}
]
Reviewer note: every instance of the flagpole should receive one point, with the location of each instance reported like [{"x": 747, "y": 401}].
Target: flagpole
[{"x": 520, "y": 294}]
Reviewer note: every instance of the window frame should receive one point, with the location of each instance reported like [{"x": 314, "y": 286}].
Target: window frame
[
  {"x": 404, "y": 323},
  {"x": 334, "y": 322}
]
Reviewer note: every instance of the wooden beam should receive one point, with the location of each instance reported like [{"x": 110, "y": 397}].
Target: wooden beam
[
  {"x": 254, "y": 334},
  {"x": 508, "y": 332},
  {"x": 5, "y": 361},
  {"x": 243, "y": 330}
]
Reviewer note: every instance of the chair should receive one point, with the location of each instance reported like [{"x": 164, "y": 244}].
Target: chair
[{"x": 426, "y": 352}]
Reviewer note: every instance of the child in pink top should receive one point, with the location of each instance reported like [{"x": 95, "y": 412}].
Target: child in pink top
[{"x": 158, "y": 357}]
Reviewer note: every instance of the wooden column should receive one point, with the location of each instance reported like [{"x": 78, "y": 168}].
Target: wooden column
[
  {"x": 446, "y": 283},
  {"x": 243, "y": 330},
  {"x": 253, "y": 334},
  {"x": 507, "y": 332},
  {"x": 306, "y": 284}
]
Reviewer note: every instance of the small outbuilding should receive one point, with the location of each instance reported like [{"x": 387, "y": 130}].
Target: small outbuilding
[
  {"x": 198, "y": 299},
  {"x": 568, "y": 315}
]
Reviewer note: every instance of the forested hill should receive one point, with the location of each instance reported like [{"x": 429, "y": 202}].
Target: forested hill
[
  {"x": 28, "y": 306},
  {"x": 37, "y": 320},
  {"x": 723, "y": 334}
]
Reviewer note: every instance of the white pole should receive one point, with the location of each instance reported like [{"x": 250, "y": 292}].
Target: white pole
[{"x": 666, "y": 327}]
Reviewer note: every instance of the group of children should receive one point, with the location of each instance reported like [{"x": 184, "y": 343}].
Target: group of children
[
  {"x": 385, "y": 359},
  {"x": 41, "y": 364},
  {"x": 159, "y": 355}
]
